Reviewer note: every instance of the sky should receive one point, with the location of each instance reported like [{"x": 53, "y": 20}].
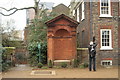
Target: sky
[{"x": 20, "y": 16}]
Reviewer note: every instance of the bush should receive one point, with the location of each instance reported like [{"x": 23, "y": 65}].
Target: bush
[
  {"x": 40, "y": 65},
  {"x": 84, "y": 65},
  {"x": 50, "y": 65},
  {"x": 33, "y": 61},
  {"x": 45, "y": 67},
  {"x": 34, "y": 53},
  {"x": 63, "y": 65},
  {"x": 75, "y": 63},
  {"x": 5, "y": 63},
  {"x": 5, "y": 66}
]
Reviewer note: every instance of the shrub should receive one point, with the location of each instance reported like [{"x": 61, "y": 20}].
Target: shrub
[
  {"x": 33, "y": 61},
  {"x": 75, "y": 63},
  {"x": 40, "y": 65},
  {"x": 5, "y": 63},
  {"x": 45, "y": 67},
  {"x": 84, "y": 65},
  {"x": 34, "y": 53},
  {"x": 50, "y": 64},
  {"x": 63, "y": 65}
]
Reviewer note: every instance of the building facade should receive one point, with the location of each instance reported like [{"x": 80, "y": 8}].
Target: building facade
[
  {"x": 99, "y": 19},
  {"x": 61, "y": 9}
]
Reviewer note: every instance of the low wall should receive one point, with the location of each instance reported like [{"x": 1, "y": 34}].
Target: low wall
[{"x": 82, "y": 55}]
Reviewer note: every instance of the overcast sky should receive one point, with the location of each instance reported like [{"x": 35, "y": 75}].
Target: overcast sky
[{"x": 20, "y": 16}]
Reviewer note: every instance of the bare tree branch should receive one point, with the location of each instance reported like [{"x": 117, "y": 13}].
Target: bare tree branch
[
  {"x": 15, "y": 10},
  {"x": 8, "y": 9}
]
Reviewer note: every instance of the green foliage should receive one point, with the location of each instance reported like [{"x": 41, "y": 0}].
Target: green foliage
[
  {"x": 63, "y": 65},
  {"x": 44, "y": 67},
  {"x": 20, "y": 57},
  {"x": 38, "y": 28},
  {"x": 6, "y": 64},
  {"x": 34, "y": 53},
  {"x": 40, "y": 65},
  {"x": 84, "y": 65},
  {"x": 75, "y": 63},
  {"x": 33, "y": 60},
  {"x": 38, "y": 34},
  {"x": 6, "y": 59},
  {"x": 50, "y": 64}
]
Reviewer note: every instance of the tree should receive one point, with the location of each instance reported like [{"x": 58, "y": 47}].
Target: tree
[
  {"x": 7, "y": 32},
  {"x": 14, "y": 9},
  {"x": 38, "y": 32}
]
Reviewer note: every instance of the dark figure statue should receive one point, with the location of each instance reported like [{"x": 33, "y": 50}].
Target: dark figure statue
[{"x": 92, "y": 55}]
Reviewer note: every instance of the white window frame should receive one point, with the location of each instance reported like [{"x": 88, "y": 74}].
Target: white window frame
[
  {"x": 109, "y": 12},
  {"x": 73, "y": 13},
  {"x": 110, "y": 40},
  {"x": 83, "y": 11},
  {"x": 78, "y": 15}
]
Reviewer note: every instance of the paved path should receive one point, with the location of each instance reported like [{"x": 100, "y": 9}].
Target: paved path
[
  {"x": 23, "y": 71},
  {"x": 21, "y": 67}
]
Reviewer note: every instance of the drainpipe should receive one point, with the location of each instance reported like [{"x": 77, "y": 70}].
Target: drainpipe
[
  {"x": 1, "y": 47},
  {"x": 91, "y": 22}
]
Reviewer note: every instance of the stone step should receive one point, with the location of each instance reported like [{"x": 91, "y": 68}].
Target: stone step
[{"x": 58, "y": 62}]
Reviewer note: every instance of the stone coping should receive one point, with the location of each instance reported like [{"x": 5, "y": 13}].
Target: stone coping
[
  {"x": 82, "y": 48},
  {"x": 62, "y": 61}
]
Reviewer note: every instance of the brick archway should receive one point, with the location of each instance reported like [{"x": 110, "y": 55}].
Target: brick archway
[{"x": 62, "y": 46}]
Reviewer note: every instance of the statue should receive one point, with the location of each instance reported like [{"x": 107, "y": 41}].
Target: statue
[{"x": 92, "y": 55}]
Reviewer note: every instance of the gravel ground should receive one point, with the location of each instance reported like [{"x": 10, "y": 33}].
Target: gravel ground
[{"x": 23, "y": 71}]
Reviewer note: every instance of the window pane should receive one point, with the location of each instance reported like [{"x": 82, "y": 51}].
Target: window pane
[
  {"x": 102, "y": 36},
  {"x": 102, "y": 2},
  {"x": 107, "y": 40},
  {"x": 102, "y": 44},
  {"x": 107, "y": 44},
  {"x": 104, "y": 7},
  {"x": 105, "y": 37}
]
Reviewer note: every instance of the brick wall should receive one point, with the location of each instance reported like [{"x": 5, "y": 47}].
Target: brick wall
[
  {"x": 83, "y": 30},
  {"x": 106, "y": 23},
  {"x": 61, "y": 9},
  {"x": 98, "y": 23},
  {"x": 26, "y": 34},
  {"x": 62, "y": 49},
  {"x": 82, "y": 55},
  {"x": 61, "y": 38}
]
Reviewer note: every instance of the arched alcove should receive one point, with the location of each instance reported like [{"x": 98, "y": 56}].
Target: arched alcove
[
  {"x": 62, "y": 33},
  {"x": 62, "y": 46}
]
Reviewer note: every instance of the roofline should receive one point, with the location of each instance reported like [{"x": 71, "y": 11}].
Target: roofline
[{"x": 62, "y": 15}]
